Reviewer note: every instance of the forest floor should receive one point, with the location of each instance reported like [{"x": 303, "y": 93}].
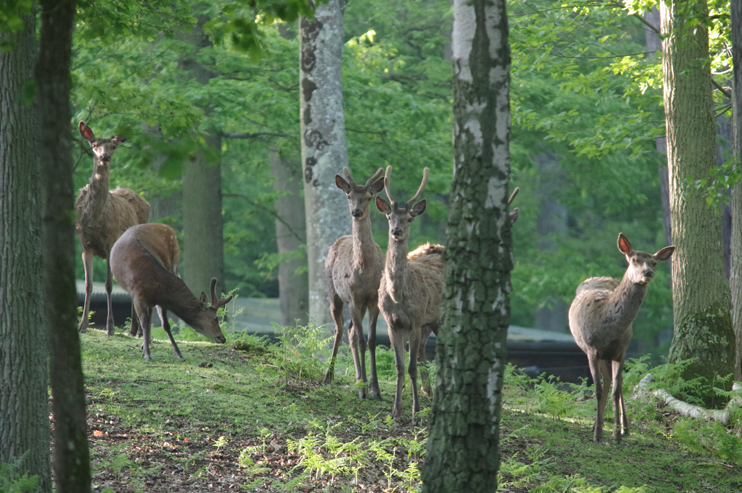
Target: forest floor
[{"x": 255, "y": 419}]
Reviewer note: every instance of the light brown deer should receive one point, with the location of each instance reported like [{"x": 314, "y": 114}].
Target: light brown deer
[
  {"x": 353, "y": 267},
  {"x": 600, "y": 320},
  {"x": 144, "y": 262},
  {"x": 103, "y": 216}
]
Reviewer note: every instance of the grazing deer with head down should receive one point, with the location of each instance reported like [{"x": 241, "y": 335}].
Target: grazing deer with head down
[
  {"x": 103, "y": 216},
  {"x": 600, "y": 320},
  {"x": 353, "y": 267},
  {"x": 144, "y": 261}
]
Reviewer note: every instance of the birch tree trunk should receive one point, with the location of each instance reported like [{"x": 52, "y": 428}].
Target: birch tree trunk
[
  {"x": 324, "y": 152},
  {"x": 735, "y": 278},
  {"x": 701, "y": 296},
  {"x": 71, "y": 452},
  {"x": 291, "y": 227},
  {"x": 463, "y": 451},
  {"x": 24, "y": 418}
]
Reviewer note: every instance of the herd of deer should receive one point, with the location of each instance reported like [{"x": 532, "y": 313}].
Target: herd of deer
[{"x": 406, "y": 287}]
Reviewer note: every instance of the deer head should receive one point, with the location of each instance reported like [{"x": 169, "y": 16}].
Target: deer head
[
  {"x": 401, "y": 215},
  {"x": 641, "y": 264},
  {"x": 102, "y": 148},
  {"x": 359, "y": 196},
  {"x": 207, "y": 321}
]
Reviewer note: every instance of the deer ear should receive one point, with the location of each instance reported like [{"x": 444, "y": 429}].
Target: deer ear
[
  {"x": 378, "y": 186},
  {"x": 664, "y": 254},
  {"x": 119, "y": 139},
  {"x": 383, "y": 206},
  {"x": 419, "y": 208},
  {"x": 624, "y": 246},
  {"x": 342, "y": 184},
  {"x": 514, "y": 215},
  {"x": 85, "y": 131},
  {"x": 203, "y": 298}
]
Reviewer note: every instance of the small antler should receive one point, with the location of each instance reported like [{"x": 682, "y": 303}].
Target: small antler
[
  {"x": 387, "y": 175},
  {"x": 411, "y": 202},
  {"x": 375, "y": 177},
  {"x": 215, "y": 302},
  {"x": 346, "y": 172},
  {"x": 513, "y": 195}
]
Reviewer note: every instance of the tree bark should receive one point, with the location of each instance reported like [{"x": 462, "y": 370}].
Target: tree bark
[
  {"x": 24, "y": 418},
  {"x": 463, "y": 451},
  {"x": 291, "y": 227},
  {"x": 203, "y": 229},
  {"x": 735, "y": 278},
  {"x": 71, "y": 454},
  {"x": 324, "y": 152},
  {"x": 701, "y": 296}
]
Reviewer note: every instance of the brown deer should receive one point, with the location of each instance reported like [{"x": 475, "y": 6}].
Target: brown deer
[
  {"x": 353, "y": 268},
  {"x": 103, "y": 216},
  {"x": 144, "y": 262},
  {"x": 600, "y": 320}
]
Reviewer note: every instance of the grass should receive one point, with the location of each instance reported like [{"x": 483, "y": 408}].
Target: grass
[{"x": 256, "y": 419}]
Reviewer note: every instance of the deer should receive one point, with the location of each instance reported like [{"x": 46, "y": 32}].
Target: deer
[
  {"x": 600, "y": 319},
  {"x": 102, "y": 216},
  {"x": 353, "y": 269},
  {"x": 144, "y": 261}
]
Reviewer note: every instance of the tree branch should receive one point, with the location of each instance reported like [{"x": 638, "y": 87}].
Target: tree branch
[{"x": 256, "y": 135}]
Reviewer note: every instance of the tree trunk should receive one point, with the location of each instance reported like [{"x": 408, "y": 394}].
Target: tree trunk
[
  {"x": 735, "y": 278},
  {"x": 291, "y": 229},
  {"x": 701, "y": 296},
  {"x": 24, "y": 418},
  {"x": 463, "y": 451},
  {"x": 324, "y": 152},
  {"x": 71, "y": 454},
  {"x": 203, "y": 230}
]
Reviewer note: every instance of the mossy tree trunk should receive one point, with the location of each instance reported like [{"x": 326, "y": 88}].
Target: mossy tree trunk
[
  {"x": 701, "y": 296},
  {"x": 71, "y": 452},
  {"x": 324, "y": 152},
  {"x": 463, "y": 451},
  {"x": 735, "y": 278},
  {"x": 24, "y": 417}
]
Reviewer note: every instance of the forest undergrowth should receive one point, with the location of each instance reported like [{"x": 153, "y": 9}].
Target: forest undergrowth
[{"x": 251, "y": 416}]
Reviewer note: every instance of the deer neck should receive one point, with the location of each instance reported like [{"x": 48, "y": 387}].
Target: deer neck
[
  {"x": 98, "y": 188},
  {"x": 626, "y": 300},
  {"x": 396, "y": 268},
  {"x": 180, "y": 300},
  {"x": 363, "y": 242}
]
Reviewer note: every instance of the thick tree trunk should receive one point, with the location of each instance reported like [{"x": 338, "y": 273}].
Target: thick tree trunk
[
  {"x": 324, "y": 152},
  {"x": 463, "y": 451},
  {"x": 735, "y": 278},
  {"x": 291, "y": 229},
  {"x": 71, "y": 453},
  {"x": 701, "y": 296},
  {"x": 203, "y": 230},
  {"x": 24, "y": 418}
]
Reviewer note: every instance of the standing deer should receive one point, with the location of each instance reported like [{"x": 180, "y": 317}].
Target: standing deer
[
  {"x": 353, "y": 268},
  {"x": 600, "y": 320},
  {"x": 411, "y": 289},
  {"x": 103, "y": 216},
  {"x": 144, "y": 261}
]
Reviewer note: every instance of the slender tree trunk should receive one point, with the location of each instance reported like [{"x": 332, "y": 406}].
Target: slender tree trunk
[
  {"x": 71, "y": 454},
  {"x": 24, "y": 415},
  {"x": 324, "y": 152},
  {"x": 291, "y": 229},
  {"x": 463, "y": 452},
  {"x": 203, "y": 229},
  {"x": 735, "y": 278},
  {"x": 701, "y": 296}
]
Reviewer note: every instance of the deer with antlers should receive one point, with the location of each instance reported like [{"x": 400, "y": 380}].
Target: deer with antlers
[
  {"x": 102, "y": 217},
  {"x": 144, "y": 261},
  {"x": 353, "y": 267}
]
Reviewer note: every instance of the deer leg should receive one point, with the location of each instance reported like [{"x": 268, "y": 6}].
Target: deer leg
[
  {"x": 422, "y": 358},
  {"x": 145, "y": 319},
  {"x": 373, "y": 315},
  {"x": 358, "y": 348},
  {"x": 166, "y": 325},
  {"x": 336, "y": 308},
  {"x": 415, "y": 336},
  {"x": 621, "y": 424},
  {"x": 397, "y": 341},
  {"x": 600, "y": 395},
  {"x": 110, "y": 329},
  {"x": 135, "y": 329},
  {"x": 87, "y": 262}
]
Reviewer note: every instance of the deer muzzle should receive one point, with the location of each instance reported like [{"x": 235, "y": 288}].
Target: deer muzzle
[
  {"x": 396, "y": 232},
  {"x": 220, "y": 339},
  {"x": 356, "y": 213}
]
